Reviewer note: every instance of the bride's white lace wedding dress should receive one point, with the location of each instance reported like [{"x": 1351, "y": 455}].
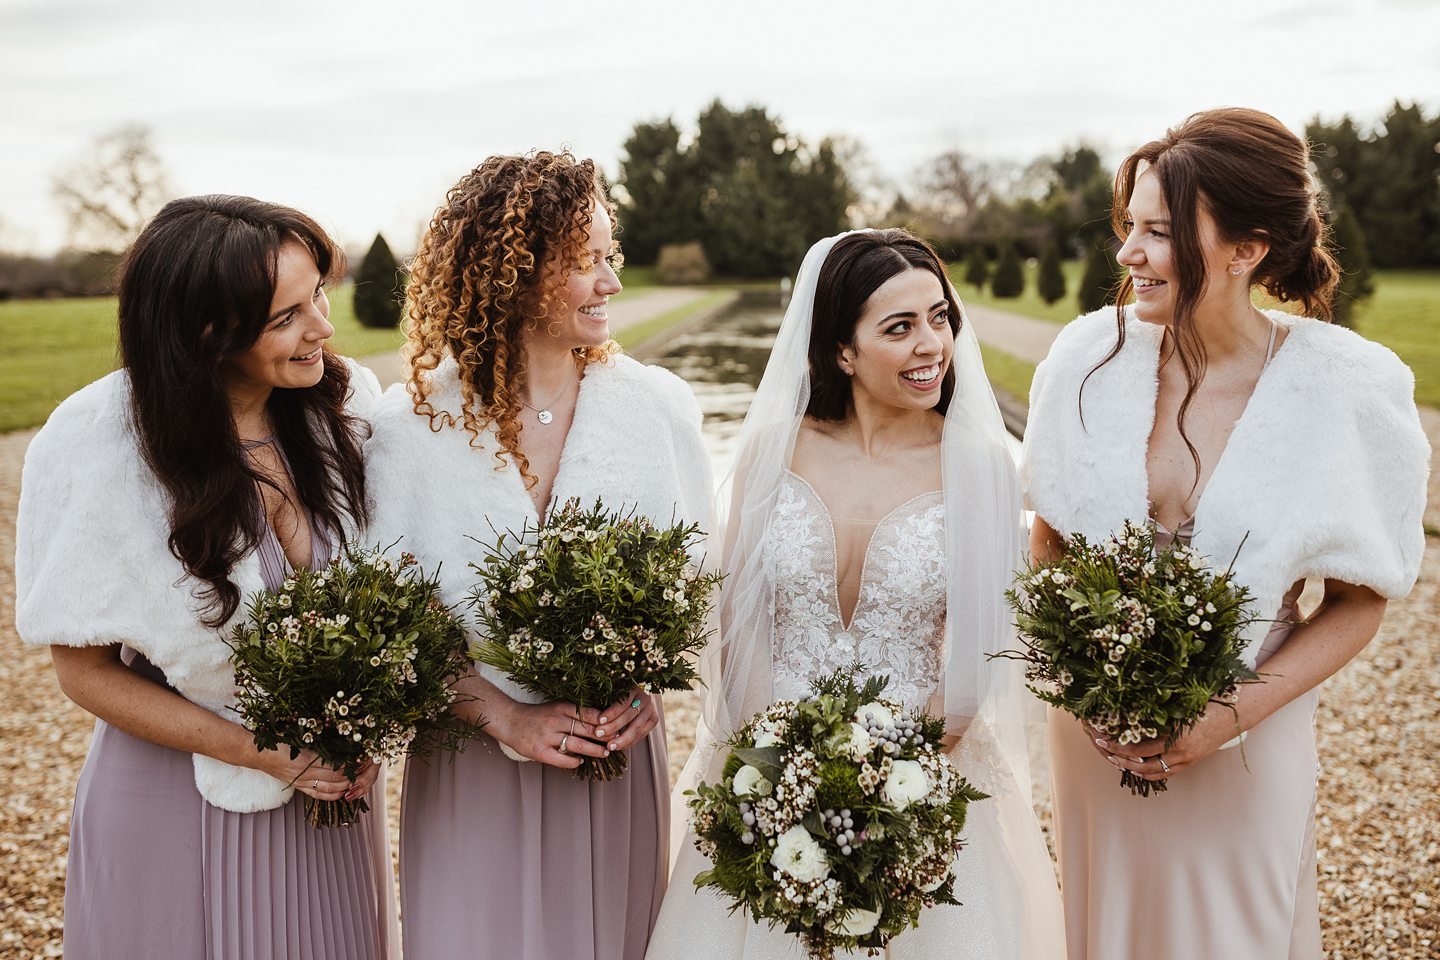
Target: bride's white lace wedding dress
[{"x": 897, "y": 628}]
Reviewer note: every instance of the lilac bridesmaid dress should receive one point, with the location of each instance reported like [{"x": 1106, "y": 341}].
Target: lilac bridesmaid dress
[
  {"x": 155, "y": 872},
  {"x": 502, "y": 860}
]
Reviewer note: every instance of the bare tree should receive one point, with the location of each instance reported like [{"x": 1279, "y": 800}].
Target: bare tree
[
  {"x": 109, "y": 194},
  {"x": 956, "y": 185}
]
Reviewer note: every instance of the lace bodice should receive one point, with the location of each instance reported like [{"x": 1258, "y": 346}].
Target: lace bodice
[{"x": 899, "y": 621}]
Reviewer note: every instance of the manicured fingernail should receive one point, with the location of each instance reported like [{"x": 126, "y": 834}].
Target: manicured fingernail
[
  {"x": 1101, "y": 742},
  {"x": 1114, "y": 760},
  {"x": 600, "y": 732},
  {"x": 604, "y": 719},
  {"x": 613, "y": 747}
]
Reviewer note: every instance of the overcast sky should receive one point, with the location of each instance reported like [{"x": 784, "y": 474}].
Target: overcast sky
[{"x": 363, "y": 114}]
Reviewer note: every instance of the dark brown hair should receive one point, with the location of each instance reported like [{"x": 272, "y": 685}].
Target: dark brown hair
[
  {"x": 475, "y": 284},
  {"x": 195, "y": 290},
  {"x": 859, "y": 264},
  {"x": 1252, "y": 175}
]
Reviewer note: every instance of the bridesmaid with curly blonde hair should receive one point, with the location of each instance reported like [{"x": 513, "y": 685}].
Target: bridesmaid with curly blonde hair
[{"x": 516, "y": 399}]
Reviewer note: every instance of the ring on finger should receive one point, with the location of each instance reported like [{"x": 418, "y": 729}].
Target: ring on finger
[
  {"x": 565, "y": 743},
  {"x": 572, "y": 726},
  {"x": 1163, "y": 765},
  {"x": 635, "y": 704}
]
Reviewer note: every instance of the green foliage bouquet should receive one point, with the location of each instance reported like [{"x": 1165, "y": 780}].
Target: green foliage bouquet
[
  {"x": 1135, "y": 642},
  {"x": 837, "y": 816},
  {"x": 588, "y": 605},
  {"x": 353, "y": 661}
]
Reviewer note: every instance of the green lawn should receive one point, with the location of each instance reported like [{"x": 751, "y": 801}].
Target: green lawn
[
  {"x": 1029, "y": 303},
  {"x": 55, "y": 347},
  {"x": 1404, "y": 315},
  {"x": 1008, "y": 372}
]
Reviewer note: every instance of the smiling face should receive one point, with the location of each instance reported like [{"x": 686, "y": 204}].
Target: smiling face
[
  {"x": 577, "y": 315},
  {"x": 287, "y": 355},
  {"x": 903, "y": 342},
  {"x": 1149, "y": 253}
]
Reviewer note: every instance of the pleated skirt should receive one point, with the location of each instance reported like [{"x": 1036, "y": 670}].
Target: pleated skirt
[
  {"x": 157, "y": 873},
  {"x": 502, "y": 860}
]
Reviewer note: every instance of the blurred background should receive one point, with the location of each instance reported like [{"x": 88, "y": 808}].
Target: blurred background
[{"x": 733, "y": 135}]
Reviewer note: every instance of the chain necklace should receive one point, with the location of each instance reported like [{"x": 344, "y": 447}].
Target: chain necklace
[{"x": 542, "y": 413}]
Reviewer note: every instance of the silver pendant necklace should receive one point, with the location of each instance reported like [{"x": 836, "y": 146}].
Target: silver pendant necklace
[{"x": 543, "y": 413}]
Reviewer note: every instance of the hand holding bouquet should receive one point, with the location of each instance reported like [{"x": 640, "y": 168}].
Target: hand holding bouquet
[
  {"x": 1133, "y": 641},
  {"x": 837, "y": 816},
  {"x": 354, "y": 662},
  {"x": 591, "y": 604}
]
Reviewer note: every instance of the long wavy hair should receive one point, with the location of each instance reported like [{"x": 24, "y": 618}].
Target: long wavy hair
[
  {"x": 1252, "y": 175},
  {"x": 482, "y": 279},
  {"x": 859, "y": 264},
  {"x": 195, "y": 292}
]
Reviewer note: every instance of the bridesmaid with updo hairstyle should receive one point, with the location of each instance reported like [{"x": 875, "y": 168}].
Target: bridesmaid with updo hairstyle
[
  {"x": 517, "y": 399},
  {"x": 1283, "y": 441}
]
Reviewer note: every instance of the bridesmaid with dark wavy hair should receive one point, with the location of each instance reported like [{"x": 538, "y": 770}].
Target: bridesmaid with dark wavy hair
[
  {"x": 1282, "y": 441},
  {"x": 224, "y": 453}
]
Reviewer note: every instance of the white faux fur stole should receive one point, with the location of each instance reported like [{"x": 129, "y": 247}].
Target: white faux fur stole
[
  {"x": 93, "y": 567},
  {"x": 1325, "y": 471},
  {"x": 635, "y": 441}
]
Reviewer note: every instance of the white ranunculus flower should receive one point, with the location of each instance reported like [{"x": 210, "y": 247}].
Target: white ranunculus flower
[
  {"x": 860, "y": 741},
  {"x": 907, "y": 783},
  {"x": 800, "y": 856},
  {"x": 766, "y": 739},
  {"x": 877, "y": 712},
  {"x": 747, "y": 778},
  {"x": 855, "y": 923}
]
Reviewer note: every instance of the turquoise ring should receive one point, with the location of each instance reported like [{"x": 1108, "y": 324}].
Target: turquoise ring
[{"x": 635, "y": 703}]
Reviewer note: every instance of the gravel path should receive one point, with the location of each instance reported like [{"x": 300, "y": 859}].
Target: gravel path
[
  {"x": 1379, "y": 802},
  {"x": 1020, "y": 336}
]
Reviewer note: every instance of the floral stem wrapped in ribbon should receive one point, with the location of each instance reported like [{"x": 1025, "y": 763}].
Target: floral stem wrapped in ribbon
[
  {"x": 837, "y": 816},
  {"x": 1135, "y": 642},
  {"x": 355, "y": 662},
  {"x": 590, "y": 604}
]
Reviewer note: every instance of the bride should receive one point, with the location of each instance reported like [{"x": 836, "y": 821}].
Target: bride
[{"x": 875, "y": 517}]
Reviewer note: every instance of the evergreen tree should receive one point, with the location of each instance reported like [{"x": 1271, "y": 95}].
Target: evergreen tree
[
  {"x": 977, "y": 268},
  {"x": 1097, "y": 285},
  {"x": 1357, "y": 277},
  {"x": 1077, "y": 201},
  {"x": 379, "y": 287},
  {"x": 1387, "y": 177},
  {"x": 753, "y": 195},
  {"x": 1009, "y": 279},
  {"x": 1051, "y": 282}
]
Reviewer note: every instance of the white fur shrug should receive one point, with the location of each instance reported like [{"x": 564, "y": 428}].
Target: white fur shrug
[
  {"x": 1326, "y": 469},
  {"x": 635, "y": 441},
  {"x": 93, "y": 566}
]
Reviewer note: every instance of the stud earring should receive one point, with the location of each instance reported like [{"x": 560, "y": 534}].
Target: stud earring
[{"x": 1235, "y": 272}]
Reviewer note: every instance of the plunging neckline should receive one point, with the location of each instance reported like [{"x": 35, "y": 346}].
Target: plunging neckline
[
  {"x": 319, "y": 548},
  {"x": 1272, "y": 355},
  {"x": 864, "y": 557}
]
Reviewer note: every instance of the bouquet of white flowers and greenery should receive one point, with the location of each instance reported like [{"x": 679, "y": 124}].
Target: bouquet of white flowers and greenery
[
  {"x": 1135, "y": 642},
  {"x": 590, "y": 604},
  {"x": 353, "y": 661},
  {"x": 837, "y": 816}
]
